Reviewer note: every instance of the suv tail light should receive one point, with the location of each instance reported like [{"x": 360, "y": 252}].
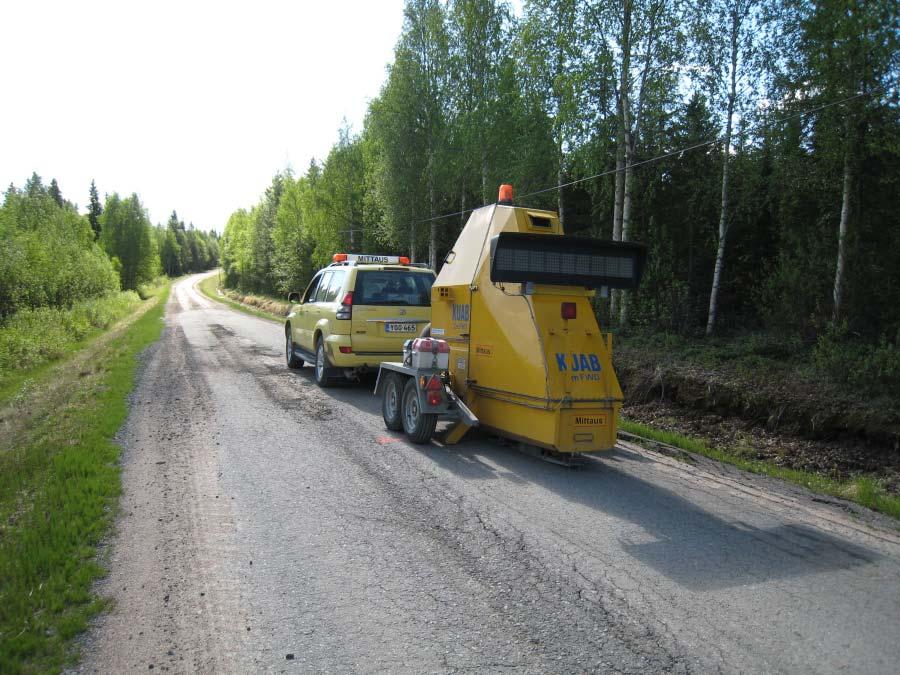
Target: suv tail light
[{"x": 346, "y": 309}]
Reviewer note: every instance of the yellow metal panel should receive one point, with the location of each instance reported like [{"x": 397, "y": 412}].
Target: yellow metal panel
[{"x": 539, "y": 378}]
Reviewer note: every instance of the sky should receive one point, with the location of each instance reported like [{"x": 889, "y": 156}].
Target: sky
[{"x": 193, "y": 105}]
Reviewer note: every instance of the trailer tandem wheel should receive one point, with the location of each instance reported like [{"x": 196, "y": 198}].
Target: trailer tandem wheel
[
  {"x": 392, "y": 402},
  {"x": 418, "y": 425}
]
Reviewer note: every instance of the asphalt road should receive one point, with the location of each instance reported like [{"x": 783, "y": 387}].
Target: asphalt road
[{"x": 268, "y": 525}]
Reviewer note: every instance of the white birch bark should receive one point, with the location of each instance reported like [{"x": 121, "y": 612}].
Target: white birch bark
[
  {"x": 726, "y": 164},
  {"x": 838, "y": 294},
  {"x": 616, "y": 296},
  {"x": 432, "y": 230},
  {"x": 485, "y": 191}
]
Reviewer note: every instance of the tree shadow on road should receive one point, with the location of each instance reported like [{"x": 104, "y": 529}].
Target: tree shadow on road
[{"x": 688, "y": 544}]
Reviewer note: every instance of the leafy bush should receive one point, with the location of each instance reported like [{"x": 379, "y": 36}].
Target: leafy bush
[
  {"x": 49, "y": 256},
  {"x": 848, "y": 360},
  {"x": 150, "y": 288},
  {"x": 35, "y": 336}
]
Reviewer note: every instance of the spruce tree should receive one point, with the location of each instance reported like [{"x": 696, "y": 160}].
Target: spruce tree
[
  {"x": 34, "y": 187},
  {"x": 55, "y": 192},
  {"x": 95, "y": 211}
]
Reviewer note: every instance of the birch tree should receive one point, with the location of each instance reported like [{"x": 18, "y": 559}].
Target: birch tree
[
  {"x": 553, "y": 50},
  {"x": 478, "y": 44},
  {"x": 847, "y": 50},
  {"x": 728, "y": 53},
  {"x": 643, "y": 39},
  {"x": 426, "y": 41}
]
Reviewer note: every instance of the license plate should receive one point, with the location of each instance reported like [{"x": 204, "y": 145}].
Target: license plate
[{"x": 400, "y": 328}]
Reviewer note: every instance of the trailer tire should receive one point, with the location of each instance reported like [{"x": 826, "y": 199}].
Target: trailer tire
[
  {"x": 418, "y": 426},
  {"x": 392, "y": 402}
]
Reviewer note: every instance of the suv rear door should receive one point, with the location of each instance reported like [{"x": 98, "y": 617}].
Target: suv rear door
[
  {"x": 390, "y": 305},
  {"x": 309, "y": 312}
]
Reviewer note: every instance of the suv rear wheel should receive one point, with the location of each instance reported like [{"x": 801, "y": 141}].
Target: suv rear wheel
[
  {"x": 322, "y": 366},
  {"x": 293, "y": 361}
]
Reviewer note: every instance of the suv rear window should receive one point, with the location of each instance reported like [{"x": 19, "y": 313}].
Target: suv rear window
[{"x": 393, "y": 287}]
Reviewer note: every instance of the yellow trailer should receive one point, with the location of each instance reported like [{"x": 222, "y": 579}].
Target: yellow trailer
[{"x": 513, "y": 301}]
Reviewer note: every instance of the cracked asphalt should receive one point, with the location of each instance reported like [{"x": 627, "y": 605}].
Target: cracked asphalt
[{"x": 267, "y": 525}]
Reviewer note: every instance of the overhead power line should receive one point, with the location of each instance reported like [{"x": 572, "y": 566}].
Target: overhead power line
[{"x": 643, "y": 162}]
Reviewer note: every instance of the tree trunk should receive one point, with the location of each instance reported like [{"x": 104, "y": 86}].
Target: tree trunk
[
  {"x": 462, "y": 207},
  {"x": 842, "y": 238},
  {"x": 412, "y": 242},
  {"x": 560, "y": 165},
  {"x": 621, "y": 153},
  {"x": 723, "y": 235},
  {"x": 726, "y": 164},
  {"x": 626, "y": 213},
  {"x": 485, "y": 192},
  {"x": 432, "y": 230},
  {"x": 617, "y": 212},
  {"x": 560, "y": 174}
]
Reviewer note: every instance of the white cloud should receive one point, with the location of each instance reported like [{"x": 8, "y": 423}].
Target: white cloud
[{"x": 194, "y": 105}]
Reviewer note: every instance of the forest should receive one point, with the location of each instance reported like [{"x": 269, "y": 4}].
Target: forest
[
  {"x": 752, "y": 145},
  {"x": 63, "y": 273}
]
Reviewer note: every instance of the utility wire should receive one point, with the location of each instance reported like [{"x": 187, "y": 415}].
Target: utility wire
[{"x": 651, "y": 160}]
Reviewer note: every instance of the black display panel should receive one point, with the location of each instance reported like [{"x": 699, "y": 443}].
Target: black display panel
[{"x": 520, "y": 257}]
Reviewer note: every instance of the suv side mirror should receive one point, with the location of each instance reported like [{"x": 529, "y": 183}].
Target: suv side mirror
[{"x": 294, "y": 297}]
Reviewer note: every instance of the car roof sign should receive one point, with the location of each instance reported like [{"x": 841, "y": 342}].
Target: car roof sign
[{"x": 361, "y": 258}]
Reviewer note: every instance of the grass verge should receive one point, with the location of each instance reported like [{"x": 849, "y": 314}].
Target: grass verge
[
  {"x": 209, "y": 287},
  {"x": 59, "y": 487},
  {"x": 33, "y": 337},
  {"x": 862, "y": 490}
]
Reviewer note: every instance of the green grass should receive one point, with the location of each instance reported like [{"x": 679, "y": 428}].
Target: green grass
[
  {"x": 747, "y": 353},
  {"x": 208, "y": 287},
  {"x": 59, "y": 488},
  {"x": 32, "y": 338},
  {"x": 863, "y": 490}
]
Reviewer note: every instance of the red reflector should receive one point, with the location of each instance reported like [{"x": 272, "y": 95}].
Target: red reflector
[
  {"x": 346, "y": 350},
  {"x": 348, "y": 299},
  {"x": 434, "y": 384},
  {"x": 569, "y": 310},
  {"x": 434, "y": 398}
]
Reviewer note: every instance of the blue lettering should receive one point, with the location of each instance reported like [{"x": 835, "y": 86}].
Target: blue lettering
[
  {"x": 574, "y": 362},
  {"x": 595, "y": 363},
  {"x": 583, "y": 364},
  {"x": 561, "y": 361}
]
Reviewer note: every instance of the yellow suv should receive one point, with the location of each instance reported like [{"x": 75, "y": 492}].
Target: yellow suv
[{"x": 356, "y": 313}]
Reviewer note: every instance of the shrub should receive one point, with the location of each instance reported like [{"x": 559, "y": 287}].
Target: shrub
[
  {"x": 49, "y": 257},
  {"x": 34, "y": 336},
  {"x": 873, "y": 368}
]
